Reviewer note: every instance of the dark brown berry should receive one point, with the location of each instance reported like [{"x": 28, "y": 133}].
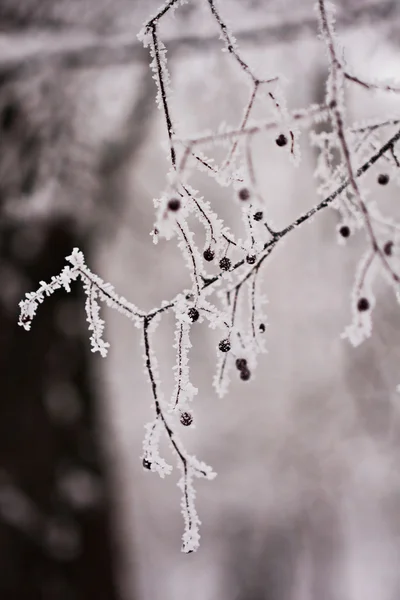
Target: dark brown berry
[
  {"x": 245, "y": 374},
  {"x": 363, "y": 304},
  {"x": 281, "y": 140},
  {"x": 251, "y": 259},
  {"x": 224, "y": 345},
  {"x": 186, "y": 419},
  {"x": 208, "y": 255},
  {"x": 388, "y": 248},
  {"x": 332, "y": 104},
  {"x": 225, "y": 263},
  {"x": 244, "y": 194},
  {"x": 146, "y": 464},
  {"x": 193, "y": 314},
  {"x": 344, "y": 231},
  {"x": 174, "y": 204},
  {"x": 241, "y": 363},
  {"x": 258, "y": 216},
  {"x": 261, "y": 327},
  {"x": 383, "y": 179}
]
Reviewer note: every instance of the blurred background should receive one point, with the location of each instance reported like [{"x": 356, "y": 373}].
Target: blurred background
[{"x": 306, "y": 505}]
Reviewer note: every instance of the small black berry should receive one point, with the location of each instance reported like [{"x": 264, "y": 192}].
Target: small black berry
[
  {"x": 224, "y": 345},
  {"x": 261, "y": 327},
  {"x": 193, "y": 314},
  {"x": 363, "y": 304},
  {"x": 258, "y": 216},
  {"x": 225, "y": 263},
  {"x": 244, "y": 194},
  {"x": 344, "y": 231},
  {"x": 208, "y": 255},
  {"x": 245, "y": 374},
  {"x": 383, "y": 179},
  {"x": 332, "y": 104},
  {"x": 241, "y": 363},
  {"x": 388, "y": 248},
  {"x": 146, "y": 464},
  {"x": 251, "y": 259},
  {"x": 186, "y": 419},
  {"x": 174, "y": 204},
  {"x": 281, "y": 140}
]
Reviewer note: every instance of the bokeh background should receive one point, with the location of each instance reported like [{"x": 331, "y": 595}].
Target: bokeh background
[{"x": 306, "y": 505}]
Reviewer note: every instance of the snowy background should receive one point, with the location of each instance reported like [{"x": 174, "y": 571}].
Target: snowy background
[{"x": 306, "y": 504}]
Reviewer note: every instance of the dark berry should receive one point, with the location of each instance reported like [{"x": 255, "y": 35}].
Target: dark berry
[
  {"x": 383, "y": 179},
  {"x": 332, "y": 104},
  {"x": 224, "y": 345},
  {"x": 146, "y": 464},
  {"x": 281, "y": 140},
  {"x": 225, "y": 263},
  {"x": 186, "y": 419},
  {"x": 245, "y": 374},
  {"x": 193, "y": 314},
  {"x": 208, "y": 255},
  {"x": 363, "y": 304},
  {"x": 244, "y": 194},
  {"x": 344, "y": 231},
  {"x": 241, "y": 363},
  {"x": 261, "y": 327},
  {"x": 174, "y": 204},
  {"x": 388, "y": 248},
  {"x": 251, "y": 259},
  {"x": 258, "y": 216}
]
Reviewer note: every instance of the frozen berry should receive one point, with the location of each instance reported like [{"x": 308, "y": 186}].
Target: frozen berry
[
  {"x": 383, "y": 179},
  {"x": 344, "y": 231},
  {"x": 388, "y": 248},
  {"x": 251, "y": 259},
  {"x": 258, "y": 216},
  {"x": 193, "y": 314},
  {"x": 225, "y": 263},
  {"x": 208, "y": 255},
  {"x": 244, "y": 194},
  {"x": 261, "y": 327},
  {"x": 146, "y": 464},
  {"x": 281, "y": 140},
  {"x": 363, "y": 304},
  {"x": 186, "y": 419},
  {"x": 241, "y": 363},
  {"x": 224, "y": 345},
  {"x": 174, "y": 204},
  {"x": 245, "y": 374}
]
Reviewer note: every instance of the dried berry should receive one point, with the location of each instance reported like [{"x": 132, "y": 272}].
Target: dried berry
[
  {"x": 225, "y": 263},
  {"x": 245, "y": 374},
  {"x": 258, "y": 216},
  {"x": 244, "y": 194},
  {"x": 241, "y": 363},
  {"x": 251, "y": 259},
  {"x": 332, "y": 104},
  {"x": 281, "y": 140},
  {"x": 383, "y": 179},
  {"x": 224, "y": 345},
  {"x": 146, "y": 464},
  {"x": 208, "y": 255},
  {"x": 344, "y": 231},
  {"x": 186, "y": 419},
  {"x": 388, "y": 248},
  {"x": 174, "y": 204},
  {"x": 261, "y": 327},
  {"x": 193, "y": 314},
  {"x": 363, "y": 304}
]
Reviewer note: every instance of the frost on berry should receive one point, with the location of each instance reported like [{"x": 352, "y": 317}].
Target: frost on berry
[
  {"x": 281, "y": 140},
  {"x": 208, "y": 255},
  {"x": 186, "y": 419},
  {"x": 224, "y": 345},
  {"x": 225, "y": 263}
]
